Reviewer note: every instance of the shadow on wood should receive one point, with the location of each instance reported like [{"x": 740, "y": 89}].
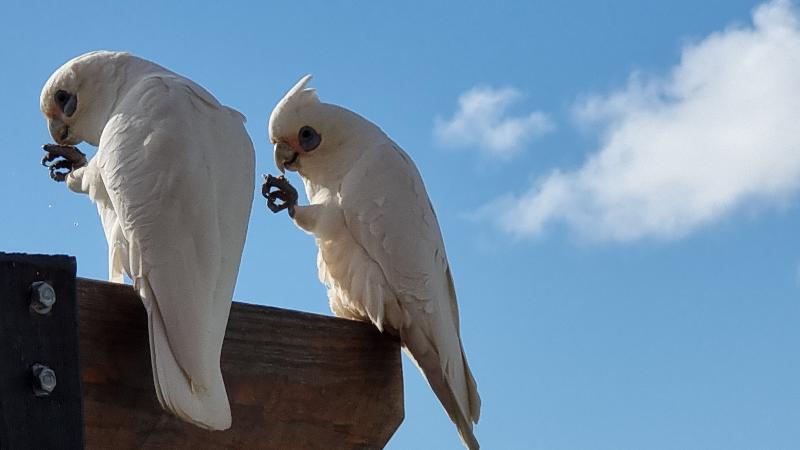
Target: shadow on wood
[{"x": 295, "y": 380}]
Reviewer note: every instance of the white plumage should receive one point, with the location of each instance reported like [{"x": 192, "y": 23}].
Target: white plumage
[
  {"x": 173, "y": 183},
  {"x": 381, "y": 252}
]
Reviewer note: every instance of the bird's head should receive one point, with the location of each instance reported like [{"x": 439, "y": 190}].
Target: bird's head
[
  {"x": 74, "y": 98},
  {"x": 314, "y": 138}
]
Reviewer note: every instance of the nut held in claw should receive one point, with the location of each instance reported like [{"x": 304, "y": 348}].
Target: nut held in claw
[
  {"x": 285, "y": 192},
  {"x": 61, "y": 160}
]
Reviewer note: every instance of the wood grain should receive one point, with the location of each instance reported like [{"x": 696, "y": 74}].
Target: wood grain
[{"x": 295, "y": 380}]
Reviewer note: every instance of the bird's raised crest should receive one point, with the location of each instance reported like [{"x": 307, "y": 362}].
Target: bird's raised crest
[
  {"x": 297, "y": 97},
  {"x": 300, "y": 95}
]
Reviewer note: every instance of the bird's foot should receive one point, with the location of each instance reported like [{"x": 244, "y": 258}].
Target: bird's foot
[
  {"x": 61, "y": 160},
  {"x": 285, "y": 192}
]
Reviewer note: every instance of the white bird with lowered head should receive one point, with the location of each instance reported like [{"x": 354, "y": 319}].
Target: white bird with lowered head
[{"x": 173, "y": 182}]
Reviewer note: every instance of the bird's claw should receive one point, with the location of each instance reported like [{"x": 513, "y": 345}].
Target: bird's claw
[
  {"x": 284, "y": 192},
  {"x": 71, "y": 159}
]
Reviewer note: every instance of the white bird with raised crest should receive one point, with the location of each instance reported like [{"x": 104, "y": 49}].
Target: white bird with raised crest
[{"x": 381, "y": 252}]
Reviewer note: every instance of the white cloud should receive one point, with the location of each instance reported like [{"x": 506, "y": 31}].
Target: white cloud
[
  {"x": 482, "y": 121},
  {"x": 720, "y": 131}
]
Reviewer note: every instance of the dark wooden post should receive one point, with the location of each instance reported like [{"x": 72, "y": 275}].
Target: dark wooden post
[{"x": 52, "y": 419}]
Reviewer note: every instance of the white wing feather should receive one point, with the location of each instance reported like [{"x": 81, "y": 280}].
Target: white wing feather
[
  {"x": 178, "y": 170},
  {"x": 389, "y": 214}
]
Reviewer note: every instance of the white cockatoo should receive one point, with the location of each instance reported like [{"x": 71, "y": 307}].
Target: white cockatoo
[
  {"x": 381, "y": 253},
  {"x": 173, "y": 181}
]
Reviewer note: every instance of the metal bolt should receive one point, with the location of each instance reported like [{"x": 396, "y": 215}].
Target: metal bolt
[
  {"x": 43, "y": 297},
  {"x": 44, "y": 380}
]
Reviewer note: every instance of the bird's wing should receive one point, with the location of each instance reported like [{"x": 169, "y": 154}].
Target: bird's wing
[
  {"x": 159, "y": 179},
  {"x": 387, "y": 210}
]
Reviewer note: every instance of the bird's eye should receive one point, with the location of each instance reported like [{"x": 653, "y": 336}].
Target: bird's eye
[
  {"x": 62, "y": 97},
  {"x": 309, "y": 138},
  {"x": 66, "y": 102}
]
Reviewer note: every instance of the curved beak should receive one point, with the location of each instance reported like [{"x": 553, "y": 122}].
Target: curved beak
[
  {"x": 58, "y": 130},
  {"x": 285, "y": 156}
]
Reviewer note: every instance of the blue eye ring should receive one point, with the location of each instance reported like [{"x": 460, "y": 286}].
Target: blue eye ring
[
  {"x": 308, "y": 138},
  {"x": 66, "y": 102}
]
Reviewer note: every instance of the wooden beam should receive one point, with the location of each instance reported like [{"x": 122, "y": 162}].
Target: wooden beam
[
  {"x": 295, "y": 380},
  {"x": 51, "y": 419}
]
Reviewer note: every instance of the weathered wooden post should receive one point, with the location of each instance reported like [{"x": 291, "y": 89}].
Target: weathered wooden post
[
  {"x": 40, "y": 390},
  {"x": 295, "y": 380}
]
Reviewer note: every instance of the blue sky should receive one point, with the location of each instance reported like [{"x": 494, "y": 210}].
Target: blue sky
[{"x": 617, "y": 184}]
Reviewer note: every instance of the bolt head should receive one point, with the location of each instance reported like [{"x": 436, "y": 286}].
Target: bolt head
[
  {"x": 44, "y": 380},
  {"x": 43, "y": 297}
]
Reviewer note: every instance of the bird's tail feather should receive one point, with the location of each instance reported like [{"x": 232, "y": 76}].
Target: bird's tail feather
[
  {"x": 205, "y": 406},
  {"x": 455, "y": 388}
]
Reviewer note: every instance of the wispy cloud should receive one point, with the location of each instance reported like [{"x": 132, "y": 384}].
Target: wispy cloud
[
  {"x": 483, "y": 122},
  {"x": 719, "y": 131}
]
